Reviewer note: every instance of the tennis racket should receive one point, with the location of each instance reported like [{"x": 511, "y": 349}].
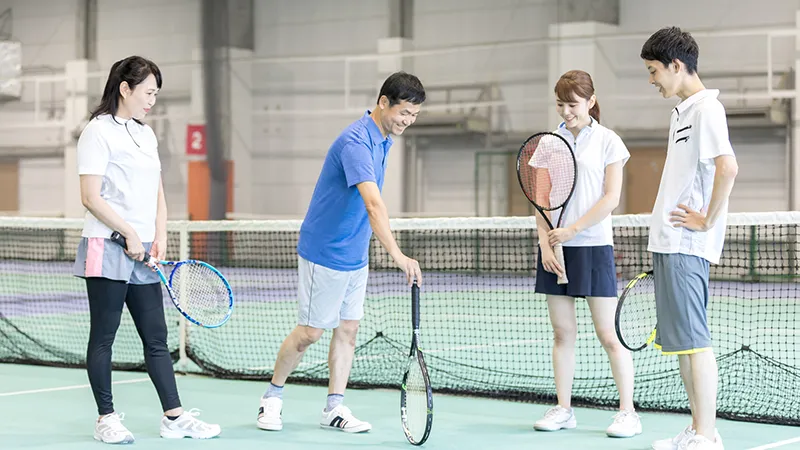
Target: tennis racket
[
  {"x": 546, "y": 169},
  {"x": 635, "y": 320},
  {"x": 416, "y": 395},
  {"x": 196, "y": 288}
]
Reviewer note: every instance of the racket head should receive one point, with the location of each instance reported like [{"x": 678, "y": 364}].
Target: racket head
[
  {"x": 201, "y": 293},
  {"x": 416, "y": 400},
  {"x": 546, "y": 169},
  {"x": 635, "y": 321}
]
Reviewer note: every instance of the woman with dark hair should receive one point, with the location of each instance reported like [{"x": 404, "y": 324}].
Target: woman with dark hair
[
  {"x": 587, "y": 239},
  {"x": 120, "y": 183}
]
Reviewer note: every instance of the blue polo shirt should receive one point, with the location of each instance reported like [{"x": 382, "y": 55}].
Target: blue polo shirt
[{"x": 336, "y": 230}]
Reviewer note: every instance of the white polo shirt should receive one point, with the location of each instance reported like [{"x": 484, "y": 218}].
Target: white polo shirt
[
  {"x": 595, "y": 148},
  {"x": 698, "y": 133},
  {"x": 131, "y": 173}
]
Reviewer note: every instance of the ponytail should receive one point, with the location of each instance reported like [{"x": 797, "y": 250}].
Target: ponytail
[
  {"x": 595, "y": 111},
  {"x": 133, "y": 70}
]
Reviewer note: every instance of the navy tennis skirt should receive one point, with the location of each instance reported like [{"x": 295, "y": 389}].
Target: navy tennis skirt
[{"x": 590, "y": 270}]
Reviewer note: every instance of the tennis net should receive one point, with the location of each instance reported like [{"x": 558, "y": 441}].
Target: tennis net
[{"x": 484, "y": 331}]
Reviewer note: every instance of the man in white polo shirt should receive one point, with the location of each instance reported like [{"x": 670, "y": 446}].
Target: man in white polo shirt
[{"x": 687, "y": 228}]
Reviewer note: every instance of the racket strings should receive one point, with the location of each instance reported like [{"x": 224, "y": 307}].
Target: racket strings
[
  {"x": 548, "y": 174},
  {"x": 638, "y": 315},
  {"x": 201, "y": 293},
  {"x": 416, "y": 401}
]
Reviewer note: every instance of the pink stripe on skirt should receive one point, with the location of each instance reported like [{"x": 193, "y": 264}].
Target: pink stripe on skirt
[{"x": 94, "y": 257}]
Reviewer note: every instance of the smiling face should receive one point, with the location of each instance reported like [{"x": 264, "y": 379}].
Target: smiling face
[
  {"x": 138, "y": 100},
  {"x": 575, "y": 111},
  {"x": 666, "y": 79},
  {"x": 396, "y": 118}
]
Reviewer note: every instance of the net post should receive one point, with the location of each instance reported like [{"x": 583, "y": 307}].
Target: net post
[
  {"x": 183, "y": 361},
  {"x": 753, "y": 253}
]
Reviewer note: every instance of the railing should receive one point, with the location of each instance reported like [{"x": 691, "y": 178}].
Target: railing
[{"x": 352, "y": 88}]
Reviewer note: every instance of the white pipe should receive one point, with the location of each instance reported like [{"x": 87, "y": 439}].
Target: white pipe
[
  {"x": 36, "y": 100},
  {"x": 33, "y": 124},
  {"x": 346, "y": 84},
  {"x": 769, "y": 64}
]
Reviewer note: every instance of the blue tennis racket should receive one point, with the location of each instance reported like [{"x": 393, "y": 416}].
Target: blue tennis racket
[{"x": 196, "y": 288}]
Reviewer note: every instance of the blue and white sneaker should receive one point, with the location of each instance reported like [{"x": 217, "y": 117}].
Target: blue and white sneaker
[
  {"x": 110, "y": 430},
  {"x": 556, "y": 418},
  {"x": 188, "y": 425},
  {"x": 340, "y": 418},
  {"x": 269, "y": 414},
  {"x": 626, "y": 424}
]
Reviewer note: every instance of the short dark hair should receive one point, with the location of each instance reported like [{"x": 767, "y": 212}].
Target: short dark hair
[
  {"x": 402, "y": 86},
  {"x": 669, "y": 44},
  {"x": 134, "y": 70}
]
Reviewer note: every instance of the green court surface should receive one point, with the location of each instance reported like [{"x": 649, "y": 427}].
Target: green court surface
[{"x": 49, "y": 408}]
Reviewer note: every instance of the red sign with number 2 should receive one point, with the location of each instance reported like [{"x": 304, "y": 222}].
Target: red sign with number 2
[{"x": 196, "y": 140}]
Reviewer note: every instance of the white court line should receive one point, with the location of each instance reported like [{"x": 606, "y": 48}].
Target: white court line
[
  {"x": 776, "y": 444},
  {"x": 69, "y": 388}
]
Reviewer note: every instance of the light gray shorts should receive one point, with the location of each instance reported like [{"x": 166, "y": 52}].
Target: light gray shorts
[
  {"x": 100, "y": 257},
  {"x": 681, "y": 283},
  {"x": 326, "y": 296}
]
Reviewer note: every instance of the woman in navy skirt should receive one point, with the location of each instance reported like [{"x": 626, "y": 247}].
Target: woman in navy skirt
[{"x": 587, "y": 240}]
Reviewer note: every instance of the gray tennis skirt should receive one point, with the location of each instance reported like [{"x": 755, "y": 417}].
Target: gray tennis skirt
[{"x": 100, "y": 257}]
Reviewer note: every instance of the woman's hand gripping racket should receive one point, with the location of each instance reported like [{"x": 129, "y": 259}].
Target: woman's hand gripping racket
[
  {"x": 635, "y": 319},
  {"x": 416, "y": 395},
  {"x": 546, "y": 169},
  {"x": 197, "y": 289}
]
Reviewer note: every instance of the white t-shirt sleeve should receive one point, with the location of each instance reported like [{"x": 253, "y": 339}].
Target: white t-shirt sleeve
[
  {"x": 538, "y": 160},
  {"x": 93, "y": 151},
  {"x": 712, "y": 132},
  {"x": 616, "y": 151},
  {"x": 544, "y": 149}
]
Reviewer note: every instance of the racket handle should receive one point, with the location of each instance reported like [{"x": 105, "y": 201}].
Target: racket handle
[
  {"x": 415, "y": 306},
  {"x": 558, "y": 249},
  {"x": 119, "y": 239}
]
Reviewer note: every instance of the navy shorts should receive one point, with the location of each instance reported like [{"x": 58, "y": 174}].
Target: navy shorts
[{"x": 590, "y": 270}]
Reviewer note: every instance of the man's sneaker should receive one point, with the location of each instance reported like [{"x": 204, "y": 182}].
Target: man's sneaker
[
  {"x": 188, "y": 425},
  {"x": 269, "y": 414},
  {"x": 703, "y": 443},
  {"x": 680, "y": 441},
  {"x": 626, "y": 424},
  {"x": 340, "y": 418},
  {"x": 556, "y": 418},
  {"x": 109, "y": 429}
]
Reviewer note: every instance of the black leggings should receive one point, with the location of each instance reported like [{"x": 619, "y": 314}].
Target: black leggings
[{"x": 145, "y": 303}]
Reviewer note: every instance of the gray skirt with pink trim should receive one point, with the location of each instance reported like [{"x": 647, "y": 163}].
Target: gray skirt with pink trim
[{"x": 100, "y": 257}]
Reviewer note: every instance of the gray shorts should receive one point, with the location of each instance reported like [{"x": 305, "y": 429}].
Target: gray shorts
[
  {"x": 681, "y": 283},
  {"x": 99, "y": 257},
  {"x": 326, "y": 296}
]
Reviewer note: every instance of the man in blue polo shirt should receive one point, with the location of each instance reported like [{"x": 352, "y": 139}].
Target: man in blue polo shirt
[{"x": 346, "y": 208}]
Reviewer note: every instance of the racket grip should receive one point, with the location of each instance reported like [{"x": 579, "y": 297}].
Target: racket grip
[
  {"x": 558, "y": 249},
  {"x": 119, "y": 239}
]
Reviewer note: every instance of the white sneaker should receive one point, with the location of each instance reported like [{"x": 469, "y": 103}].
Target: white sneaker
[
  {"x": 340, "y": 418},
  {"x": 188, "y": 425},
  {"x": 556, "y": 418},
  {"x": 681, "y": 441},
  {"x": 703, "y": 443},
  {"x": 110, "y": 430},
  {"x": 269, "y": 414},
  {"x": 626, "y": 424}
]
